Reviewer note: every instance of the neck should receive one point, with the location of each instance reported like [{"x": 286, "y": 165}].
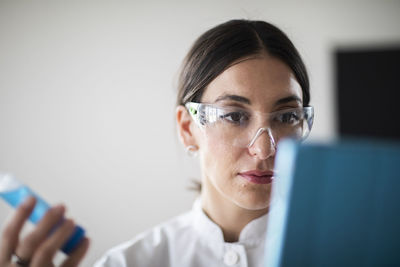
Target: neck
[{"x": 226, "y": 214}]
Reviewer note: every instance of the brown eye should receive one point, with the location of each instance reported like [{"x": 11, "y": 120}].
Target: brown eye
[
  {"x": 289, "y": 117},
  {"x": 235, "y": 117}
]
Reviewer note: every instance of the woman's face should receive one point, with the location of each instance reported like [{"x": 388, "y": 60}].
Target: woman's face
[{"x": 241, "y": 174}]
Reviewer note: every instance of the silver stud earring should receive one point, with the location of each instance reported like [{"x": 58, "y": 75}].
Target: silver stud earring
[{"x": 192, "y": 150}]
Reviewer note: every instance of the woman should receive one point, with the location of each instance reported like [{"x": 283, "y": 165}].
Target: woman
[{"x": 243, "y": 87}]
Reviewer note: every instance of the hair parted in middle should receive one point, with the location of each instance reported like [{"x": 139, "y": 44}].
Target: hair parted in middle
[{"x": 218, "y": 48}]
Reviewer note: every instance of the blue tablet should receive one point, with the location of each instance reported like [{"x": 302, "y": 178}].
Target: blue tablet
[{"x": 335, "y": 204}]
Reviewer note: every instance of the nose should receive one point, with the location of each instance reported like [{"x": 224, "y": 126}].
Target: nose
[{"x": 263, "y": 147}]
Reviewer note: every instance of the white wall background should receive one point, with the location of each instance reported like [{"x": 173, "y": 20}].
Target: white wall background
[{"x": 87, "y": 96}]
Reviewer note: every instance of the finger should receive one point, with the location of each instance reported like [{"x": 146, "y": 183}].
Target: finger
[
  {"x": 77, "y": 255},
  {"x": 30, "y": 243},
  {"x": 10, "y": 236},
  {"x": 47, "y": 250}
]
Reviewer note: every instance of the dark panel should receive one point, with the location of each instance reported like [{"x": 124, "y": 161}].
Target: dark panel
[{"x": 368, "y": 89}]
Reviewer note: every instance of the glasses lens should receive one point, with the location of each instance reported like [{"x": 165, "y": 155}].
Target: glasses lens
[{"x": 239, "y": 127}]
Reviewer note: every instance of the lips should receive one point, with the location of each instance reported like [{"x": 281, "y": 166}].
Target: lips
[{"x": 258, "y": 177}]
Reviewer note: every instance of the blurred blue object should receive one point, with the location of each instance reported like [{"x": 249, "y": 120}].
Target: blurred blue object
[{"x": 335, "y": 204}]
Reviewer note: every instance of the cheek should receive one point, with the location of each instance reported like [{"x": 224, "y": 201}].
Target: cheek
[
  {"x": 220, "y": 164},
  {"x": 220, "y": 158}
]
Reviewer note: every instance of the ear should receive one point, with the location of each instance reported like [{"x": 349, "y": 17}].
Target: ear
[{"x": 184, "y": 126}]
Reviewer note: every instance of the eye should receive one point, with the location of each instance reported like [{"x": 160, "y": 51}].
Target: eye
[
  {"x": 236, "y": 117},
  {"x": 289, "y": 117}
]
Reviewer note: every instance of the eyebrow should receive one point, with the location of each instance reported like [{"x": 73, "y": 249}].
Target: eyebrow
[
  {"x": 288, "y": 99},
  {"x": 245, "y": 100},
  {"x": 236, "y": 98}
]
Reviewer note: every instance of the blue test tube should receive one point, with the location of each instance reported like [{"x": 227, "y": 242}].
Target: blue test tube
[{"x": 14, "y": 193}]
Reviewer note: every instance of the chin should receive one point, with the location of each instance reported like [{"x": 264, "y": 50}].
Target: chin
[
  {"x": 254, "y": 203},
  {"x": 253, "y": 197}
]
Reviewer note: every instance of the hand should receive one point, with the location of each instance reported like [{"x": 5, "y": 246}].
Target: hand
[{"x": 38, "y": 248}]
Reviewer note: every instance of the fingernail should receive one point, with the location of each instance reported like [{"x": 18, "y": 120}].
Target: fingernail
[
  {"x": 59, "y": 209},
  {"x": 70, "y": 223}
]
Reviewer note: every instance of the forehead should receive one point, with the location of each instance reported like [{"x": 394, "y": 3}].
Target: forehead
[{"x": 262, "y": 79}]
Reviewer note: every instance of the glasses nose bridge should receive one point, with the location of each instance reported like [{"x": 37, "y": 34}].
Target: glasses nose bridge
[
  {"x": 263, "y": 124},
  {"x": 259, "y": 132}
]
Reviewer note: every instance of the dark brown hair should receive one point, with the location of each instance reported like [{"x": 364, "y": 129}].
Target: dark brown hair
[{"x": 216, "y": 49}]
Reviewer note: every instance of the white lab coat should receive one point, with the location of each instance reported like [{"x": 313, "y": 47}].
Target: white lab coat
[{"x": 191, "y": 239}]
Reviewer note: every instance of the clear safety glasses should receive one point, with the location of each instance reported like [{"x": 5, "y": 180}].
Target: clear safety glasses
[{"x": 241, "y": 127}]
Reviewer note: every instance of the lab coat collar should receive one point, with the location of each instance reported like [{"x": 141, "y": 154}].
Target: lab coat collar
[{"x": 253, "y": 234}]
